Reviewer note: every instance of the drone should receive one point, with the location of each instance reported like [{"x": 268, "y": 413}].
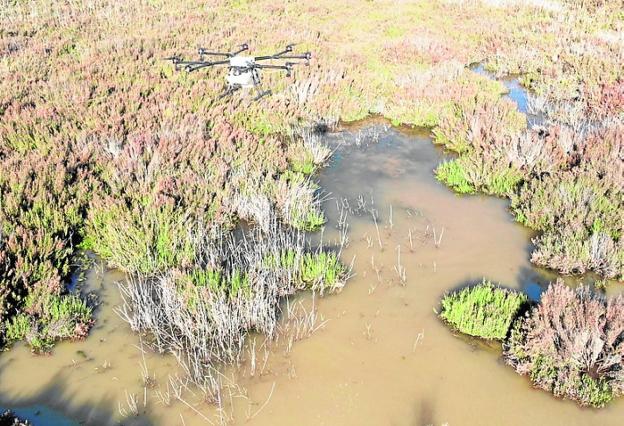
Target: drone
[{"x": 243, "y": 70}]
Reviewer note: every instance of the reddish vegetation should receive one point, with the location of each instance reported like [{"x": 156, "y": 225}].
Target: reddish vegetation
[{"x": 572, "y": 344}]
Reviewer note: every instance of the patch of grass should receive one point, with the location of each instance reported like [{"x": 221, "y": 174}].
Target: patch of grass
[
  {"x": 503, "y": 182},
  {"x": 141, "y": 239},
  {"x": 453, "y": 174},
  {"x": 311, "y": 220},
  {"x": 482, "y": 310},
  {"x": 206, "y": 278},
  {"x": 322, "y": 271},
  {"x": 48, "y": 319}
]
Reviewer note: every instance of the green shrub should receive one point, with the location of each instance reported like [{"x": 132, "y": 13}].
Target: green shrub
[
  {"x": 141, "y": 239},
  {"x": 309, "y": 221},
  {"x": 48, "y": 319},
  {"x": 503, "y": 182},
  {"x": 482, "y": 310},
  {"x": 452, "y": 174},
  {"x": 206, "y": 278},
  {"x": 322, "y": 271}
]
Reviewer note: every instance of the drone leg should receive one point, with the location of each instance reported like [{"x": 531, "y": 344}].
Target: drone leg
[
  {"x": 261, "y": 93},
  {"x": 229, "y": 91}
]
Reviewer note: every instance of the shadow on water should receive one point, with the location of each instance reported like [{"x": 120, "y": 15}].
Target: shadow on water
[{"x": 48, "y": 406}]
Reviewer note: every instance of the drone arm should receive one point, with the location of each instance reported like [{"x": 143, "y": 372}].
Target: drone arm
[
  {"x": 198, "y": 65},
  {"x": 243, "y": 47},
  {"x": 278, "y": 55},
  {"x": 307, "y": 56},
  {"x": 203, "y": 51},
  {"x": 287, "y": 67},
  {"x": 273, "y": 67}
]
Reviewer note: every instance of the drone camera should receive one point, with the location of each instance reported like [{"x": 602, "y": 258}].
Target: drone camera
[
  {"x": 244, "y": 46},
  {"x": 289, "y": 48}
]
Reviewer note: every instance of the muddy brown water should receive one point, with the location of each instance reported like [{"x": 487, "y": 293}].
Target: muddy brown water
[{"x": 379, "y": 356}]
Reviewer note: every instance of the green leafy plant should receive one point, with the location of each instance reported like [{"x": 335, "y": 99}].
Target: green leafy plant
[
  {"x": 454, "y": 175},
  {"x": 482, "y": 310}
]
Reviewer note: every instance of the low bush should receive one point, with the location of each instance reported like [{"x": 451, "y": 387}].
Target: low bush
[
  {"x": 319, "y": 271},
  {"x": 572, "y": 344},
  {"x": 580, "y": 217},
  {"x": 482, "y": 310},
  {"x": 453, "y": 174},
  {"x": 47, "y": 319},
  {"x": 43, "y": 202},
  {"x": 322, "y": 271},
  {"x": 202, "y": 315}
]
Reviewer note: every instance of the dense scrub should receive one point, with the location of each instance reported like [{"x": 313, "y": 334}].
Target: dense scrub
[
  {"x": 44, "y": 197},
  {"x": 104, "y": 147},
  {"x": 203, "y": 313},
  {"x": 566, "y": 177},
  {"x": 482, "y": 310},
  {"x": 571, "y": 344}
]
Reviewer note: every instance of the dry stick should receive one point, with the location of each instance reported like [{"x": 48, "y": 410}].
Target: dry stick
[
  {"x": 400, "y": 270},
  {"x": 265, "y": 403},
  {"x": 199, "y": 413},
  {"x": 419, "y": 338},
  {"x": 375, "y": 268},
  {"x": 410, "y": 240},
  {"x": 390, "y": 220},
  {"x": 377, "y": 228},
  {"x": 437, "y": 241}
]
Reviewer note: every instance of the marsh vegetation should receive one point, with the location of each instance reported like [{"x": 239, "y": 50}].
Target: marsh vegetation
[{"x": 208, "y": 205}]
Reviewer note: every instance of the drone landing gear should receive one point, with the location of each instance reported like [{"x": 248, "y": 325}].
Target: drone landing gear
[
  {"x": 229, "y": 90},
  {"x": 262, "y": 93}
]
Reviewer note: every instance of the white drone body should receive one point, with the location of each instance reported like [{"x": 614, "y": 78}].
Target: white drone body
[{"x": 242, "y": 72}]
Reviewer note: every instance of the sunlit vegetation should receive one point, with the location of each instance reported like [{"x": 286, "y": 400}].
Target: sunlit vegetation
[
  {"x": 203, "y": 314},
  {"x": 482, "y": 310},
  {"x": 566, "y": 178},
  {"x": 104, "y": 147},
  {"x": 571, "y": 345},
  {"x": 49, "y": 318}
]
